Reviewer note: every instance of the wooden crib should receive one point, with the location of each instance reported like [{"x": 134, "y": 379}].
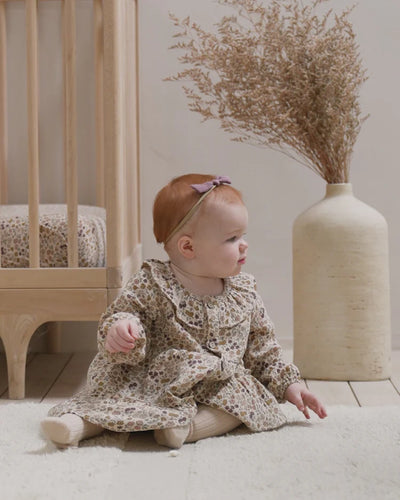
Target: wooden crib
[{"x": 33, "y": 295}]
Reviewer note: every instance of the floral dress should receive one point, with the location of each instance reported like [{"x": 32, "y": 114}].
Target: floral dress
[{"x": 217, "y": 350}]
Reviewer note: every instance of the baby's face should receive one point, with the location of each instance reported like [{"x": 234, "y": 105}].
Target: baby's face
[{"x": 218, "y": 239}]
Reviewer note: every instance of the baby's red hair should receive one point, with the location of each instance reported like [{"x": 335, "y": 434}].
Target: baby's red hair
[{"x": 175, "y": 200}]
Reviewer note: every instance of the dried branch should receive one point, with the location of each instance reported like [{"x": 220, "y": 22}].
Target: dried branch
[{"x": 281, "y": 76}]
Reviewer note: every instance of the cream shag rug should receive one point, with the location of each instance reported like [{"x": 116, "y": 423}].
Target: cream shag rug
[{"x": 353, "y": 454}]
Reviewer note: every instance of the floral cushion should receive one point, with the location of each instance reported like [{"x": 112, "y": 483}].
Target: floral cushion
[{"x": 14, "y": 226}]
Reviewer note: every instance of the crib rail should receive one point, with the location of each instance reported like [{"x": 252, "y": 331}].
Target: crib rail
[
  {"x": 117, "y": 183},
  {"x": 121, "y": 136}
]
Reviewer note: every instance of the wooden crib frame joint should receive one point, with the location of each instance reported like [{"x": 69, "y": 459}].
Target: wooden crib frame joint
[{"x": 40, "y": 306}]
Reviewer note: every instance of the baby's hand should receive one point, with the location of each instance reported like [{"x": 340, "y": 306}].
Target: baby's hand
[
  {"x": 302, "y": 398},
  {"x": 121, "y": 336}
]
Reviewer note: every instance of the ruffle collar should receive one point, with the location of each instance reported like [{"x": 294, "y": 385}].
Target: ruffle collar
[{"x": 234, "y": 304}]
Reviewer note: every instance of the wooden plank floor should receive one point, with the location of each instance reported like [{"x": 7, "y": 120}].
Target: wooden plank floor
[{"x": 51, "y": 378}]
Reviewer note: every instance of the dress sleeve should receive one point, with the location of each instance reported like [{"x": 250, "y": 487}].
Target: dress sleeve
[
  {"x": 134, "y": 303},
  {"x": 263, "y": 356}
]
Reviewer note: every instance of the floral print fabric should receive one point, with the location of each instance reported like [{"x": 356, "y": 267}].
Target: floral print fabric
[
  {"x": 216, "y": 350},
  {"x": 53, "y": 235}
]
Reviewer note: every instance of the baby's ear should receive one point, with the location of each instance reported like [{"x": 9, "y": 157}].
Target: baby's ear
[{"x": 185, "y": 246}]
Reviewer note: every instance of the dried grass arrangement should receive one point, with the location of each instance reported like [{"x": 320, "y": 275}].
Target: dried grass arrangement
[{"x": 280, "y": 75}]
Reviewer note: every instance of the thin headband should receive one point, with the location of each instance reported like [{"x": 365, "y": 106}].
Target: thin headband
[{"x": 204, "y": 189}]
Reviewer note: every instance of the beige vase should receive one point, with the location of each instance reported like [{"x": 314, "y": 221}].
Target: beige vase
[{"x": 341, "y": 289}]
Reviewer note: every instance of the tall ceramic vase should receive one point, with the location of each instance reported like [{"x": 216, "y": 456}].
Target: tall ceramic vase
[{"x": 341, "y": 289}]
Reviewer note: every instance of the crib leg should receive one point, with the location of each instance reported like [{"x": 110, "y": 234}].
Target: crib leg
[
  {"x": 16, "y": 332},
  {"x": 53, "y": 337}
]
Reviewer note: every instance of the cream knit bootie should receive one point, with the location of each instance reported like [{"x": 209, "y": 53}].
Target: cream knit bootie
[
  {"x": 69, "y": 429},
  {"x": 208, "y": 422}
]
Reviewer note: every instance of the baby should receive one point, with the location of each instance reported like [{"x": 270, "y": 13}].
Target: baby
[{"x": 187, "y": 350}]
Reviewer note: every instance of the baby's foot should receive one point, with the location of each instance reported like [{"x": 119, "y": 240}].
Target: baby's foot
[
  {"x": 69, "y": 429},
  {"x": 173, "y": 437}
]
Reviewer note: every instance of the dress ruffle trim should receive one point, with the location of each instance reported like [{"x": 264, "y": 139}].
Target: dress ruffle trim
[{"x": 234, "y": 303}]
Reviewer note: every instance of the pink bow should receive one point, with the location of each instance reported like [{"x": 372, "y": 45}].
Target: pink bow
[{"x": 206, "y": 186}]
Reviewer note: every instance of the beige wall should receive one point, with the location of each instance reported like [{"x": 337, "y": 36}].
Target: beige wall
[{"x": 173, "y": 141}]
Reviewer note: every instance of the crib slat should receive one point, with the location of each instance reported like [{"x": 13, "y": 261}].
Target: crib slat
[
  {"x": 113, "y": 154},
  {"x": 70, "y": 148},
  {"x": 33, "y": 130},
  {"x": 124, "y": 117},
  {"x": 3, "y": 107},
  {"x": 99, "y": 68},
  {"x": 136, "y": 174},
  {"x": 132, "y": 221}
]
